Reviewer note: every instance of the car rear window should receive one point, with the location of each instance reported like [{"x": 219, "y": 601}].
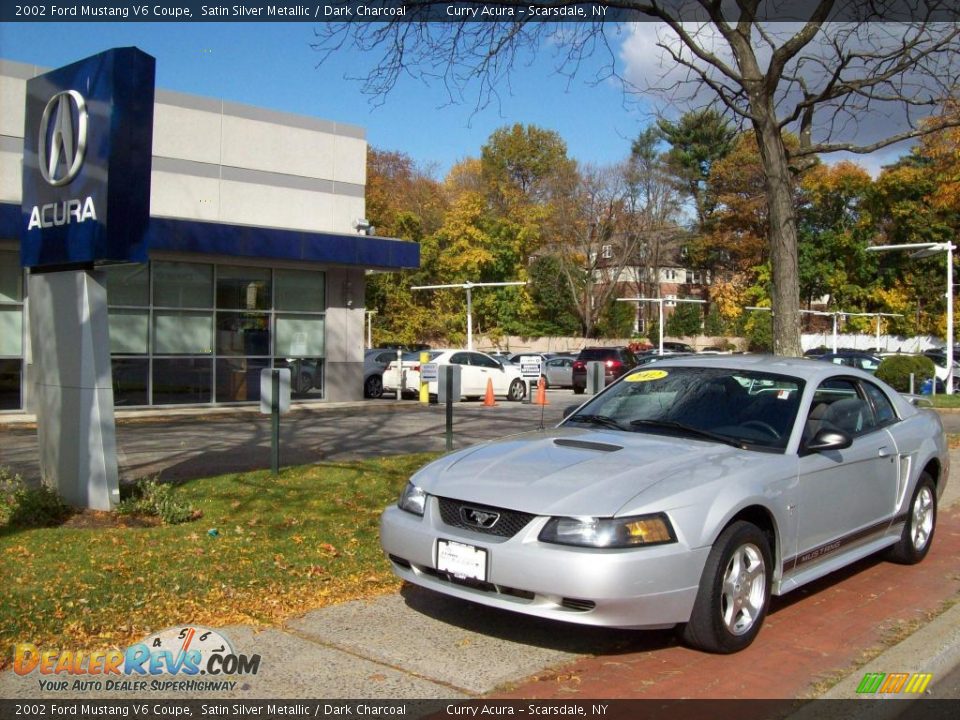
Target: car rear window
[{"x": 597, "y": 353}]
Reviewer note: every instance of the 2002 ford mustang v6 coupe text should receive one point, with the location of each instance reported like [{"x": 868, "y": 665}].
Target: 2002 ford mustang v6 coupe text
[{"x": 683, "y": 495}]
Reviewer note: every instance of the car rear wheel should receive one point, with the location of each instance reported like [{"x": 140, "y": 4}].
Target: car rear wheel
[
  {"x": 734, "y": 592},
  {"x": 918, "y": 531},
  {"x": 578, "y": 390},
  {"x": 516, "y": 391},
  {"x": 373, "y": 387}
]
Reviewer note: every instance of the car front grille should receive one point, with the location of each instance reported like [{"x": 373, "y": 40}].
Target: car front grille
[{"x": 483, "y": 518}]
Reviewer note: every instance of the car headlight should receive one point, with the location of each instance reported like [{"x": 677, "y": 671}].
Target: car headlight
[
  {"x": 625, "y": 532},
  {"x": 413, "y": 499}
]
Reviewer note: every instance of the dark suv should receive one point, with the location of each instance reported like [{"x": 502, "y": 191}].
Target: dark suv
[{"x": 616, "y": 360}]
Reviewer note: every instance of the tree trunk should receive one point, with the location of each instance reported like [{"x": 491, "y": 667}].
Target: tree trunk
[{"x": 785, "y": 293}]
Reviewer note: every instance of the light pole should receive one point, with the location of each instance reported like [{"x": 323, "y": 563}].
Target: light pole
[
  {"x": 877, "y": 315},
  {"x": 834, "y": 315},
  {"x": 468, "y": 286},
  {"x": 660, "y": 302},
  {"x": 922, "y": 250},
  {"x": 370, "y": 314}
]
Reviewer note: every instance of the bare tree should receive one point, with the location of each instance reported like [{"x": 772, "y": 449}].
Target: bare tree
[{"x": 820, "y": 75}]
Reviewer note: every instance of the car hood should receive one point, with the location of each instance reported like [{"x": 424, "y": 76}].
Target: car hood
[{"x": 580, "y": 471}]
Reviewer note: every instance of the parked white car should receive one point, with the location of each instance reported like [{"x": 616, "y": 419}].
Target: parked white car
[{"x": 476, "y": 369}]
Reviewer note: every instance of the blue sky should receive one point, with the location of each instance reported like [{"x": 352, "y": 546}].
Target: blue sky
[{"x": 272, "y": 65}]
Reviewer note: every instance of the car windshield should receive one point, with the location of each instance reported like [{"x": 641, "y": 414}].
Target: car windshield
[{"x": 751, "y": 410}]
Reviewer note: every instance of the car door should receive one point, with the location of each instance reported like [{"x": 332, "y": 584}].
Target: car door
[
  {"x": 469, "y": 377},
  {"x": 845, "y": 497},
  {"x": 560, "y": 371},
  {"x": 486, "y": 368}
]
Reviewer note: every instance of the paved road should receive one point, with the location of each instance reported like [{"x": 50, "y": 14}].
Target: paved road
[{"x": 212, "y": 442}]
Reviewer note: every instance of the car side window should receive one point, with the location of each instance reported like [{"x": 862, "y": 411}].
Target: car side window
[
  {"x": 881, "y": 404},
  {"x": 478, "y": 360},
  {"x": 460, "y": 359},
  {"x": 838, "y": 405}
]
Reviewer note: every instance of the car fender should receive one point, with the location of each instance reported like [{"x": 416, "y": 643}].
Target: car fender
[{"x": 701, "y": 512}]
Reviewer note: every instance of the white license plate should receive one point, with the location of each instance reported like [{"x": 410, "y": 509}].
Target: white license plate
[{"x": 461, "y": 561}]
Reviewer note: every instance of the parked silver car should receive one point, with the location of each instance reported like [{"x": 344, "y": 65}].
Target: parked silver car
[
  {"x": 558, "y": 371},
  {"x": 685, "y": 494}
]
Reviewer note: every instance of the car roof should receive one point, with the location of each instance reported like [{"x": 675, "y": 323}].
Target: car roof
[{"x": 803, "y": 368}]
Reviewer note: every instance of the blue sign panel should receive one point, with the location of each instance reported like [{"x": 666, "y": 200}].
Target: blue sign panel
[{"x": 88, "y": 144}]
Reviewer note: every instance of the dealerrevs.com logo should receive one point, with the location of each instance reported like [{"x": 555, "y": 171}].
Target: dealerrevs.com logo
[{"x": 182, "y": 655}]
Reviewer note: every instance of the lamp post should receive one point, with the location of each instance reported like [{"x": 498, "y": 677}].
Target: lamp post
[
  {"x": 834, "y": 315},
  {"x": 660, "y": 302},
  {"x": 370, "y": 314},
  {"x": 876, "y": 315},
  {"x": 468, "y": 286},
  {"x": 922, "y": 250}
]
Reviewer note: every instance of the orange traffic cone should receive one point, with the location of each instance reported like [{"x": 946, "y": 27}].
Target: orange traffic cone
[
  {"x": 541, "y": 393},
  {"x": 488, "y": 400}
]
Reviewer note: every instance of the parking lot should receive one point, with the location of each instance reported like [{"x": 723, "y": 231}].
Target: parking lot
[{"x": 417, "y": 644}]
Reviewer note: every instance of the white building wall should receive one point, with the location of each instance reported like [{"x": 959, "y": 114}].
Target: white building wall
[{"x": 224, "y": 162}]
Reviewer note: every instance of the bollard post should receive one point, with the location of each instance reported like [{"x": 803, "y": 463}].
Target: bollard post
[{"x": 275, "y": 423}]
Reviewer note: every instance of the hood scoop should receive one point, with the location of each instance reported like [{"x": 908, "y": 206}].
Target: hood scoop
[{"x": 586, "y": 445}]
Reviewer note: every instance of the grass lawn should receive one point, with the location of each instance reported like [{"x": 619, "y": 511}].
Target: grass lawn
[
  {"x": 281, "y": 546},
  {"x": 946, "y": 401}
]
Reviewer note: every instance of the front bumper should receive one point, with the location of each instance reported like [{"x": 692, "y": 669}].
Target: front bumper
[{"x": 652, "y": 587}]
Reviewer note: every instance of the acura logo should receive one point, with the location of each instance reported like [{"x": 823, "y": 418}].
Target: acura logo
[
  {"x": 63, "y": 145},
  {"x": 479, "y": 518}
]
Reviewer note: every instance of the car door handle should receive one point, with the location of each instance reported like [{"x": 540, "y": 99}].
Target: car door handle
[{"x": 884, "y": 452}]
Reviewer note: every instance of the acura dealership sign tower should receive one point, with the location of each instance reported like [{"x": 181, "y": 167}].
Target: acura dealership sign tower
[{"x": 86, "y": 201}]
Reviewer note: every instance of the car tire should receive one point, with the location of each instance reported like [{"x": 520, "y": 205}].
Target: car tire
[
  {"x": 373, "y": 387},
  {"x": 734, "y": 592},
  {"x": 578, "y": 390},
  {"x": 516, "y": 391},
  {"x": 917, "y": 536}
]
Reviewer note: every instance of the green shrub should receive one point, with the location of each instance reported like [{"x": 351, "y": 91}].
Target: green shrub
[
  {"x": 896, "y": 369},
  {"x": 22, "y": 506},
  {"x": 154, "y": 498}
]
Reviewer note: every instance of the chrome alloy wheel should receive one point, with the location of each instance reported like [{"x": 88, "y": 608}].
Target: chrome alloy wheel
[
  {"x": 921, "y": 524},
  {"x": 744, "y": 588}
]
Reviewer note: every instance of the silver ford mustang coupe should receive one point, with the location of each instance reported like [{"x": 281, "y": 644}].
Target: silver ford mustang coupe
[{"x": 684, "y": 494}]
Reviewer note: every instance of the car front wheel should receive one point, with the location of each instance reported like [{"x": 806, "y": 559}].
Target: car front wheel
[
  {"x": 734, "y": 592},
  {"x": 373, "y": 387},
  {"x": 918, "y": 530},
  {"x": 516, "y": 391}
]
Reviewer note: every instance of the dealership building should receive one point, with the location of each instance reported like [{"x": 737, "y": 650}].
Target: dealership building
[{"x": 257, "y": 250}]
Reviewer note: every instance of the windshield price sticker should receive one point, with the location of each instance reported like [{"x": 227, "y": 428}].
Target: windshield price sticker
[
  {"x": 647, "y": 375},
  {"x": 464, "y": 562}
]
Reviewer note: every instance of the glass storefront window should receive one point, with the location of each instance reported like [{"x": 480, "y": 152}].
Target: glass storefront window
[
  {"x": 129, "y": 330},
  {"x": 182, "y": 285},
  {"x": 306, "y": 376},
  {"x": 243, "y": 288},
  {"x": 130, "y": 377},
  {"x": 11, "y": 277},
  {"x": 128, "y": 285},
  {"x": 179, "y": 381},
  {"x": 10, "y": 371},
  {"x": 11, "y": 330},
  {"x": 299, "y": 336},
  {"x": 300, "y": 290},
  {"x": 238, "y": 379},
  {"x": 243, "y": 333},
  {"x": 182, "y": 332}
]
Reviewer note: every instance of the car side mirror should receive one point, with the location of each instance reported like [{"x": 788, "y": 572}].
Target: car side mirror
[
  {"x": 570, "y": 410},
  {"x": 826, "y": 439}
]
